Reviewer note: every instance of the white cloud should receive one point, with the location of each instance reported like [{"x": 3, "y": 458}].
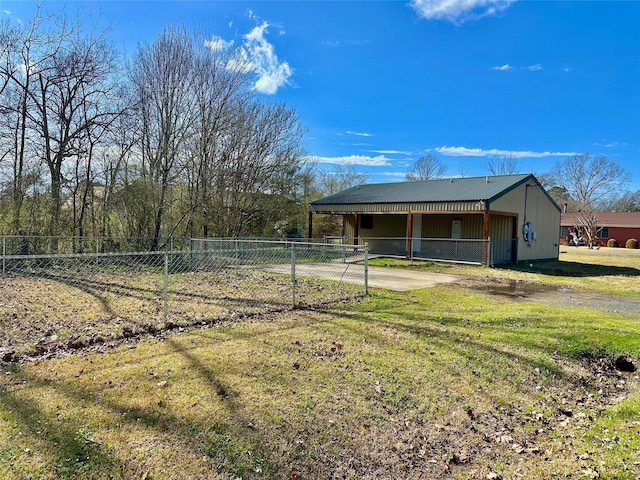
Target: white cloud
[
  {"x": 330, "y": 43},
  {"x": 360, "y": 134},
  {"x": 609, "y": 143},
  {"x": 379, "y": 161},
  {"x": 272, "y": 73},
  {"x": 506, "y": 67},
  {"x": 566, "y": 69},
  {"x": 458, "y": 11},
  {"x": 218, "y": 44},
  {"x": 6, "y": 12},
  {"x": 390, "y": 152},
  {"x": 258, "y": 55},
  {"x": 392, "y": 174},
  {"x": 479, "y": 152}
]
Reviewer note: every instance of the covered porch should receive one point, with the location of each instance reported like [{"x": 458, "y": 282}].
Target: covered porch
[{"x": 482, "y": 237}]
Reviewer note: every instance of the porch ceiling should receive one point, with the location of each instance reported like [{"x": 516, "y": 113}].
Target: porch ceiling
[{"x": 430, "y": 207}]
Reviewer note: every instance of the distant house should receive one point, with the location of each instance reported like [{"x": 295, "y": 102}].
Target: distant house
[
  {"x": 486, "y": 220},
  {"x": 620, "y": 226}
]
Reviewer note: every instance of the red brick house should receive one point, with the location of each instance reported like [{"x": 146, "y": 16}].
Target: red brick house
[{"x": 618, "y": 225}]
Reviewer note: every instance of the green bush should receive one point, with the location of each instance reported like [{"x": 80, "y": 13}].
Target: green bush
[
  {"x": 632, "y": 243},
  {"x": 612, "y": 242}
]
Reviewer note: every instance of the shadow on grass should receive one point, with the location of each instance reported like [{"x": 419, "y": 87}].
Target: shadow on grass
[
  {"x": 572, "y": 269},
  {"x": 72, "y": 454},
  {"x": 239, "y": 298}
]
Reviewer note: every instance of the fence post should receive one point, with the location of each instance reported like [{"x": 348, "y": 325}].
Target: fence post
[
  {"x": 191, "y": 254},
  {"x": 166, "y": 288},
  {"x": 293, "y": 275},
  {"x": 4, "y": 253},
  {"x": 366, "y": 268},
  {"x": 489, "y": 252}
]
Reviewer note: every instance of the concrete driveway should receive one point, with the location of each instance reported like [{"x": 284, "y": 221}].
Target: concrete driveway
[
  {"x": 401, "y": 280},
  {"x": 382, "y": 277}
]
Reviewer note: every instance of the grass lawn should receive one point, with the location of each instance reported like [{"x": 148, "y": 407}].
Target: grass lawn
[{"x": 447, "y": 382}]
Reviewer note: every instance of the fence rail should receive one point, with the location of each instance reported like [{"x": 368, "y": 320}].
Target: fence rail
[
  {"x": 48, "y": 301},
  {"x": 442, "y": 249},
  {"x": 474, "y": 250},
  {"x": 52, "y": 245}
]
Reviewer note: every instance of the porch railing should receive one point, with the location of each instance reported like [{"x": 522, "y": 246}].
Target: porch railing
[{"x": 474, "y": 251}]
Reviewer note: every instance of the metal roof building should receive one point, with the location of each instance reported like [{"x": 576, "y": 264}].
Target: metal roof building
[{"x": 495, "y": 219}]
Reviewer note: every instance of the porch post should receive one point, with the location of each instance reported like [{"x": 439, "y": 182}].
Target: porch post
[
  {"x": 485, "y": 238},
  {"x": 409, "y": 234},
  {"x": 514, "y": 240},
  {"x": 356, "y": 229}
]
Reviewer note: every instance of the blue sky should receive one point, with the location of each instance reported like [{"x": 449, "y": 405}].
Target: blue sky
[{"x": 379, "y": 84}]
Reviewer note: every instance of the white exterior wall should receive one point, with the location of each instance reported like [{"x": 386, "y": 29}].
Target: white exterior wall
[{"x": 542, "y": 214}]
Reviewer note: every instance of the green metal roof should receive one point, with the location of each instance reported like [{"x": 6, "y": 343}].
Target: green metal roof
[{"x": 442, "y": 190}]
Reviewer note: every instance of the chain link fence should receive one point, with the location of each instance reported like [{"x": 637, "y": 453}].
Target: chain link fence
[
  {"x": 442, "y": 249},
  {"x": 452, "y": 250},
  {"x": 469, "y": 250},
  {"x": 49, "y": 303},
  {"x": 53, "y": 245}
]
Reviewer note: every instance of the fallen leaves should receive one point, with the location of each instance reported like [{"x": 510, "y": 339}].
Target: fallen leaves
[
  {"x": 7, "y": 356},
  {"x": 90, "y": 308}
]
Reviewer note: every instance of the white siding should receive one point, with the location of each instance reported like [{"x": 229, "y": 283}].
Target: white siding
[{"x": 542, "y": 214}]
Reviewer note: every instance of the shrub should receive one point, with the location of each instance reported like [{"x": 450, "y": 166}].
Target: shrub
[
  {"x": 612, "y": 242},
  {"x": 631, "y": 243}
]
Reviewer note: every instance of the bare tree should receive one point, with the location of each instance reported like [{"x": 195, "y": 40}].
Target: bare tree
[
  {"x": 340, "y": 177},
  {"x": 114, "y": 161},
  {"x": 328, "y": 182},
  {"x": 162, "y": 77},
  {"x": 221, "y": 91},
  {"x": 203, "y": 126},
  {"x": 588, "y": 181},
  {"x": 25, "y": 51},
  {"x": 463, "y": 170},
  {"x": 61, "y": 75},
  {"x": 626, "y": 202},
  {"x": 261, "y": 156},
  {"x": 506, "y": 164},
  {"x": 427, "y": 167},
  {"x": 185, "y": 147}
]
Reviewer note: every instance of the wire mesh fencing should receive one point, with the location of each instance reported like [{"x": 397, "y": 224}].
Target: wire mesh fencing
[
  {"x": 440, "y": 249},
  {"x": 453, "y": 250},
  {"x": 54, "y": 302},
  {"x": 63, "y": 244}
]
